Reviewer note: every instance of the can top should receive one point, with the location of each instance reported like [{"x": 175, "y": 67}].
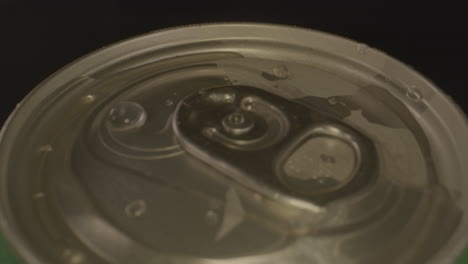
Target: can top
[{"x": 235, "y": 143}]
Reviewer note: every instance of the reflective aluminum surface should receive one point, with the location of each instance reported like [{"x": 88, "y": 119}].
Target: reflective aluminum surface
[{"x": 235, "y": 143}]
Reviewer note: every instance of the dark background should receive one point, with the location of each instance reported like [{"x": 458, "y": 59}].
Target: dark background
[{"x": 37, "y": 38}]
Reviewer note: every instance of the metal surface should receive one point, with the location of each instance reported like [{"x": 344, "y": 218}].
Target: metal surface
[{"x": 235, "y": 143}]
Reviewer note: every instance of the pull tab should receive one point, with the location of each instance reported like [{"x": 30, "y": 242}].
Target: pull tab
[{"x": 284, "y": 150}]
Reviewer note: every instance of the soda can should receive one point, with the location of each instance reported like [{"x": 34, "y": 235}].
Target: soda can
[{"x": 235, "y": 143}]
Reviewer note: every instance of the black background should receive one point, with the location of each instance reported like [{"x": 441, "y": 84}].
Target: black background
[{"x": 37, "y": 38}]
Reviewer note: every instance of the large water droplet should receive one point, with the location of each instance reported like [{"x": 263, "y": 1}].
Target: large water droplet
[
  {"x": 413, "y": 94},
  {"x": 136, "y": 208},
  {"x": 229, "y": 98},
  {"x": 126, "y": 115},
  {"x": 209, "y": 131},
  {"x": 87, "y": 99},
  {"x": 333, "y": 100},
  {"x": 280, "y": 71},
  {"x": 247, "y": 103}
]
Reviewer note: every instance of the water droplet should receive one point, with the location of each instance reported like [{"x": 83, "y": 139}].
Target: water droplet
[
  {"x": 45, "y": 148},
  {"x": 234, "y": 81},
  {"x": 126, "y": 115},
  {"x": 87, "y": 99},
  {"x": 362, "y": 48},
  {"x": 168, "y": 102},
  {"x": 38, "y": 196},
  {"x": 73, "y": 256},
  {"x": 280, "y": 71},
  {"x": 136, "y": 208},
  {"x": 414, "y": 94},
  {"x": 209, "y": 131},
  {"x": 387, "y": 78},
  {"x": 212, "y": 218},
  {"x": 228, "y": 98},
  {"x": 321, "y": 180},
  {"x": 333, "y": 100},
  {"x": 226, "y": 79},
  {"x": 247, "y": 103}
]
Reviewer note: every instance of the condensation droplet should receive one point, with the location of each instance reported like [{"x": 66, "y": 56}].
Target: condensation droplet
[
  {"x": 136, "y": 208},
  {"x": 247, "y": 103},
  {"x": 362, "y": 48},
  {"x": 333, "y": 100},
  {"x": 126, "y": 115},
  {"x": 168, "y": 102},
  {"x": 212, "y": 218},
  {"x": 73, "y": 256},
  {"x": 45, "y": 148},
  {"x": 87, "y": 99},
  {"x": 209, "y": 131},
  {"x": 414, "y": 94},
  {"x": 280, "y": 71},
  {"x": 234, "y": 81},
  {"x": 38, "y": 196},
  {"x": 228, "y": 98}
]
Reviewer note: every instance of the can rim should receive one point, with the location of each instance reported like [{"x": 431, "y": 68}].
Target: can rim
[{"x": 175, "y": 35}]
